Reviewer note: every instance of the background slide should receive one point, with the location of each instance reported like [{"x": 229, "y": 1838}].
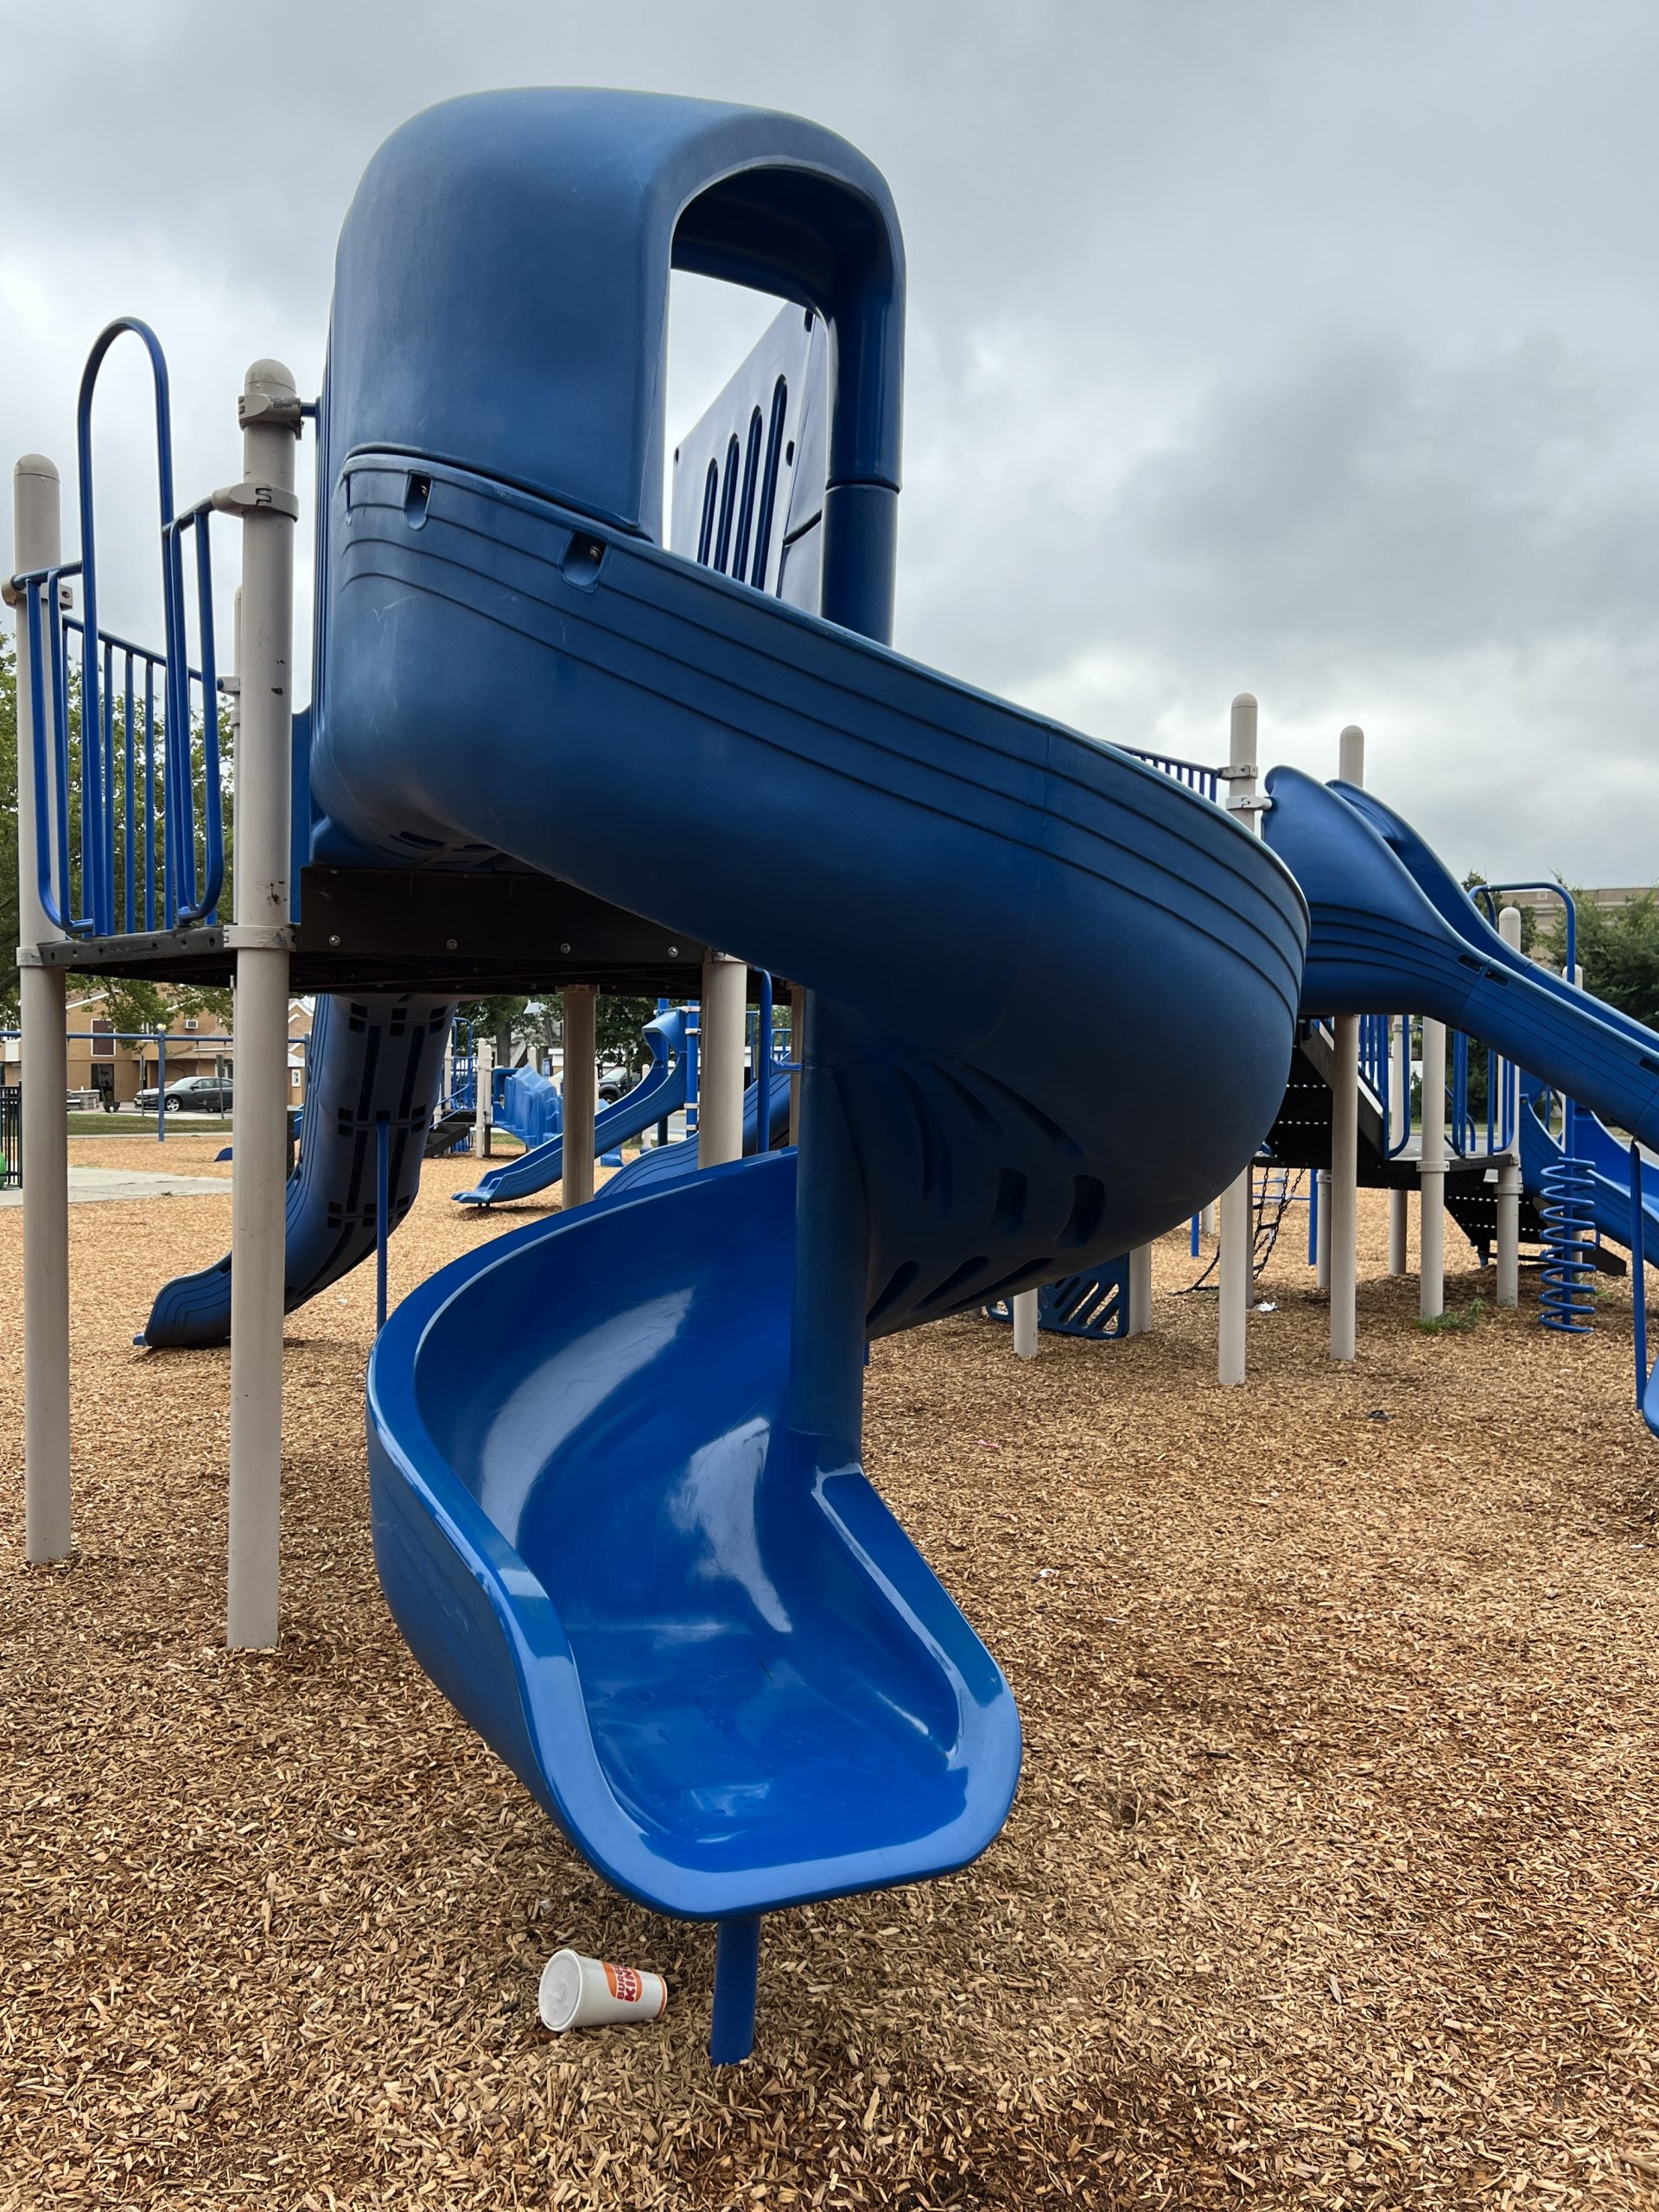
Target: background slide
[
  {"x": 660, "y": 1091},
  {"x": 372, "y": 1059},
  {"x": 1392, "y": 927},
  {"x": 1607, "y": 1157}
]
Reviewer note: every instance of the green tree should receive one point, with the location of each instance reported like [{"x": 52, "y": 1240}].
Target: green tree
[
  {"x": 1618, "y": 951},
  {"x": 1529, "y": 923}
]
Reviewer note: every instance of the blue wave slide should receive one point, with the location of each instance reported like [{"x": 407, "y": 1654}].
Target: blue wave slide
[
  {"x": 619, "y": 1508},
  {"x": 660, "y": 1091},
  {"x": 1391, "y": 927},
  {"x": 374, "y": 1058}
]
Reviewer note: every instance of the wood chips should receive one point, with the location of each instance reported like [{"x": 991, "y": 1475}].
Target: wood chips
[{"x": 1332, "y": 1879}]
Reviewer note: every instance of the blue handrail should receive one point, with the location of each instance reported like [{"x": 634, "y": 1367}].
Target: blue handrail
[
  {"x": 108, "y": 900},
  {"x": 1207, "y": 781}
]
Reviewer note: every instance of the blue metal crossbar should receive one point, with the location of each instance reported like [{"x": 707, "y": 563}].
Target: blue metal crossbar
[{"x": 85, "y": 894}]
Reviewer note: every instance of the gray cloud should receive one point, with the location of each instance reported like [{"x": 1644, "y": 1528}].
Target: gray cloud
[{"x": 1305, "y": 349}]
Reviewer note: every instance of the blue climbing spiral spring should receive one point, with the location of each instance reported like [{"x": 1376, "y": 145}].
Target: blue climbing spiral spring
[{"x": 1568, "y": 1209}]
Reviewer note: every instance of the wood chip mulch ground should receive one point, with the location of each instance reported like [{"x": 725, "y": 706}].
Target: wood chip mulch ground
[{"x": 1331, "y": 1881}]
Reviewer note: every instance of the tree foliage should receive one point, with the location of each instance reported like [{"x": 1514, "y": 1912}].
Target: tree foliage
[{"x": 1618, "y": 951}]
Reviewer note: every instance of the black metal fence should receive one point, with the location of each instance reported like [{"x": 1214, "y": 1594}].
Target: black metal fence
[{"x": 11, "y": 1136}]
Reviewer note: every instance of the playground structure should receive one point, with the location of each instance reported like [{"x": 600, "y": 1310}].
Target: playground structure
[{"x": 620, "y": 1512}]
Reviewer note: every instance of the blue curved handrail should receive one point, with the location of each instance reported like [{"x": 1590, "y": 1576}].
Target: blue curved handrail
[{"x": 186, "y": 898}]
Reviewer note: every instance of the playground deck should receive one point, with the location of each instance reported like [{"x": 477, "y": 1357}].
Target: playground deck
[{"x": 1329, "y": 1882}]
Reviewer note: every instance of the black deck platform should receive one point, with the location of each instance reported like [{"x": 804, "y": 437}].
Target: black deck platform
[{"x": 397, "y": 929}]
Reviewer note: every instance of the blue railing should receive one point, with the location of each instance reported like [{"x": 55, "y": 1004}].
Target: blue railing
[
  {"x": 114, "y": 876},
  {"x": 1205, "y": 781}
]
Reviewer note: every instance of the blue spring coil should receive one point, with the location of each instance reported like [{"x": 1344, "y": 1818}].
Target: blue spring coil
[{"x": 1567, "y": 1210}]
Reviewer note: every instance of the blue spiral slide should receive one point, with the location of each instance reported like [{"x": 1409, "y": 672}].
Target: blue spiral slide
[{"x": 619, "y": 1509}]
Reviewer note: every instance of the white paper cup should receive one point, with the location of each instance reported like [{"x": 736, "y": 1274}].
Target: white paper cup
[{"x": 580, "y": 1993}]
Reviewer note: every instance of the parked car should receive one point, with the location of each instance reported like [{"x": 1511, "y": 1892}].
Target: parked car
[{"x": 192, "y": 1094}]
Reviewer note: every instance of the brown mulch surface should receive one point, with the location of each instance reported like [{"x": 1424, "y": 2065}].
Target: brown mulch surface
[{"x": 1331, "y": 1880}]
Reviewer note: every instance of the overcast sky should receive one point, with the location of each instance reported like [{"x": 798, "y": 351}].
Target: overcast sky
[{"x": 1306, "y": 348}]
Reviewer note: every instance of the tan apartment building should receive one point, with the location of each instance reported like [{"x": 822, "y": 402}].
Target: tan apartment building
[{"x": 105, "y": 1069}]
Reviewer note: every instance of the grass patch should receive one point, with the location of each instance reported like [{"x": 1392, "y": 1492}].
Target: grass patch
[
  {"x": 99, "y": 1124},
  {"x": 1455, "y": 1320}
]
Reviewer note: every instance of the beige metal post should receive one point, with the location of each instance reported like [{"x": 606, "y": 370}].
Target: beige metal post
[
  {"x": 1508, "y": 1172},
  {"x": 1400, "y": 1087},
  {"x": 47, "y": 1534},
  {"x": 1237, "y": 1223},
  {"x": 260, "y": 937},
  {"x": 1343, "y": 1211},
  {"x": 1431, "y": 1177},
  {"x": 580, "y": 1095},
  {"x": 720, "y": 1059}
]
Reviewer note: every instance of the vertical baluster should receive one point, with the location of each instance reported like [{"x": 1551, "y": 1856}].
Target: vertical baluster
[
  {"x": 149, "y": 790},
  {"x": 106, "y": 849},
  {"x": 90, "y": 782},
  {"x": 212, "y": 823},
  {"x": 129, "y": 901},
  {"x": 60, "y": 744}
]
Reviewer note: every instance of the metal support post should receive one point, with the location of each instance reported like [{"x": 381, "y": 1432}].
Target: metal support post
[
  {"x": 1509, "y": 1170},
  {"x": 1343, "y": 1214},
  {"x": 38, "y": 544},
  {"x": 720, "y": 1073},
  {"x": 1431, "y": 1177},
  {"x": 798, "y": 1054},
  {"x": 1322, "y": 1231},
  {"x": 580, "y": 1096},
  {"x": 382, "y": 1214},
  {"x": 1237, "y": 1223},
  {"x": 270, "y": 413},
  {"x": 1140, "y": 1291},
  {"x": 1400, "y": 1087},
  {"x": 483, "y": 1093},
  {"x": 737, "y": 1980},
  {"x": 1023, "y": 1305}
]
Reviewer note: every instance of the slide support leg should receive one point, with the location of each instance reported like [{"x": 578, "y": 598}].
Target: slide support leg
[
  {"x": 1024, "y": 1304},
  {"x": 737, "y": 1980}
]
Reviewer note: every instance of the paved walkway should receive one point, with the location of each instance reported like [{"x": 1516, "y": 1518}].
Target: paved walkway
[{"x": 106, "y": 1186}]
